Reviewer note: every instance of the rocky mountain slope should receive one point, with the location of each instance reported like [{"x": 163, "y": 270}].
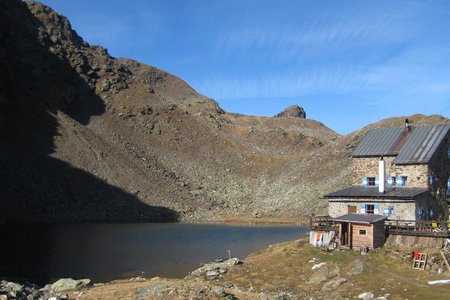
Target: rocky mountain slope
[{"x": 89, "y": 137}]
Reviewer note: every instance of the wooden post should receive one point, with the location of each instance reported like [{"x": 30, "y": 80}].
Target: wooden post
[{"x": 445, "y": 260}]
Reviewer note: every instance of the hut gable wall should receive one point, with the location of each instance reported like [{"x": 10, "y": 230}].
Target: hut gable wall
[
  {"x": 439, "y": 169},
  {"x": 368, "y": 167}
]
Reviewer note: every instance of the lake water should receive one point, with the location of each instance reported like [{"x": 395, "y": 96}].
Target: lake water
[{"x": 103, "y": 252}]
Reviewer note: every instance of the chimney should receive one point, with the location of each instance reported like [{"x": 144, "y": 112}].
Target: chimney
[
  {"x": 407, "y": 124},
  {"x": 382, "y": 176}
]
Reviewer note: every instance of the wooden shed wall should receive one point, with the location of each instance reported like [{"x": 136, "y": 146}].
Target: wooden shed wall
[{"x": 362, "y": 240}]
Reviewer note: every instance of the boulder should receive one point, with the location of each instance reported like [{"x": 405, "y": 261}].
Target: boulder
[
  {"x": 214, "y": 269},
  {"x": 67, "y": 284},
  {"x": 323, "y": 273},
  {"x": 293, "y": 111},
  {"x": 153, "y": 290},
  {"x": 357, "y": 268},
  {"x": 333, "y": 284},
  {"x": 366, "y": 296},
  {"x": 220, "y": 292}
]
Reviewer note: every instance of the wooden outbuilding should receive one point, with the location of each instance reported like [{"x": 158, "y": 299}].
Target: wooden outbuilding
[{"x": 359, "y": 231}]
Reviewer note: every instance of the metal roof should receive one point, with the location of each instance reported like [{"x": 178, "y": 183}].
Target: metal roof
[
  {"x": 360, "y": 218},
  {"x": 422, "y": 144},
  {"x": 405, "y": 193},
  {"x": 378, "y": 142},
  {"x": 414, "y": 145}
]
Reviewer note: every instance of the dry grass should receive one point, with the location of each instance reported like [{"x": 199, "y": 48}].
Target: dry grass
[{"x": 287, "y": 268}]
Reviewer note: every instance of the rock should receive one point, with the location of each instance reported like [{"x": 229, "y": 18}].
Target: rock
[
  {"x": 293, "y": 111},
  {"x": 214, "y": 269},
  {"x": 357, "y": 268},
  {"x": 106, "y": 84},
  {"x": 324, "y": 273},
  {"x": 66, "y": 284},
  {"x": 318, "y": 266},
  {"x": 366, "y": 296},
  {"x": 333, "y": 284},
  {"x": 196, "y": 193},
  {"x": 157, "y": 290},
  {"x": 319, "y": 276},
  {"x": 12, "y": 286},
  {"x": 281, "y": 296},
  {"x": 232, "y": 261},
  {"x": 213, "y": 274},
  {"x": 256, "y": 214},
  {"x": 220, "y": 291}
]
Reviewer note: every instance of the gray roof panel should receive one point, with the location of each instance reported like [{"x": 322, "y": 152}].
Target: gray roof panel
[
  {"x": 360, "y": 218},
  {"x": 422, "y": 144},
  {"x": 405, "y": 193},
  {"x": 378, "y": 142}
]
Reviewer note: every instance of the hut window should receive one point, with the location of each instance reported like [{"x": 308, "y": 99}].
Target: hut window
[
  {"x": 370, "y": 208},
  {"x": 362, "y": 232},
  {"x": 401, "y": 180},
  {"x": 371, "y": 181},
  {"x": 389, "y": 211}
]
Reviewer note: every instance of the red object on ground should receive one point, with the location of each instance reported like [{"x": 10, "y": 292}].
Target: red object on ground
[{"x": 416, "y": 254}]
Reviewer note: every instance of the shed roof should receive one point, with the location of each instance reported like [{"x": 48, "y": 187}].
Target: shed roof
[
  {"x": 360, "y": 218},
  {"x": 416, "y": 145},
  {"x": 406, "y": 193}
]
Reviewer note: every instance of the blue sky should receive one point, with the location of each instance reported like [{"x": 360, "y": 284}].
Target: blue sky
[{"x": 348, "y": 63}]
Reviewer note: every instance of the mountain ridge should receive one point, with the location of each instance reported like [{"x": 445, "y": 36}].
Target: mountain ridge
[{"x": 89, "y": 137}]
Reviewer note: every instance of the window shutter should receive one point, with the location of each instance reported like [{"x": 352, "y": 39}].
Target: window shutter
[
  {"x": 376, "y": 209},
  {"x": 400, "y": 181},
  {"x": 377, "y": 181},
  {"x": 431, "y": 180},
  {"x": 390, "y": 181},
  {"x": 448, "y": 152},
  {"x": 448, "y": 187},
  {"x": 386, "y": 211},
  {"x": 365, "y": 181},
  {"x": 363, "y": 208}
]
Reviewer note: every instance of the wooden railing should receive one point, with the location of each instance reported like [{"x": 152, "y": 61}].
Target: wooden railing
[
  {"x": 323, "y": 223},
  {"x": 418, "y": 228}
]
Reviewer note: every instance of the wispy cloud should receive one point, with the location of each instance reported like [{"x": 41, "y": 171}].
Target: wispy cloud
[{"x": 322, "y": 29}]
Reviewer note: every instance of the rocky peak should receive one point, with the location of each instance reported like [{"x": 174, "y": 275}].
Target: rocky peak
[{"x": 293, "y": 111}]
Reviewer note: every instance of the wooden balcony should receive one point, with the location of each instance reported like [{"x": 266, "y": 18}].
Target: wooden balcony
[
  {"x": 440, "y": 229},
  {"x": 323, "y": 223}
]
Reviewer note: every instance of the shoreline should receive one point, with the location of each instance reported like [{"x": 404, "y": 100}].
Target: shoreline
[{"x": 275, "y": 271}]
